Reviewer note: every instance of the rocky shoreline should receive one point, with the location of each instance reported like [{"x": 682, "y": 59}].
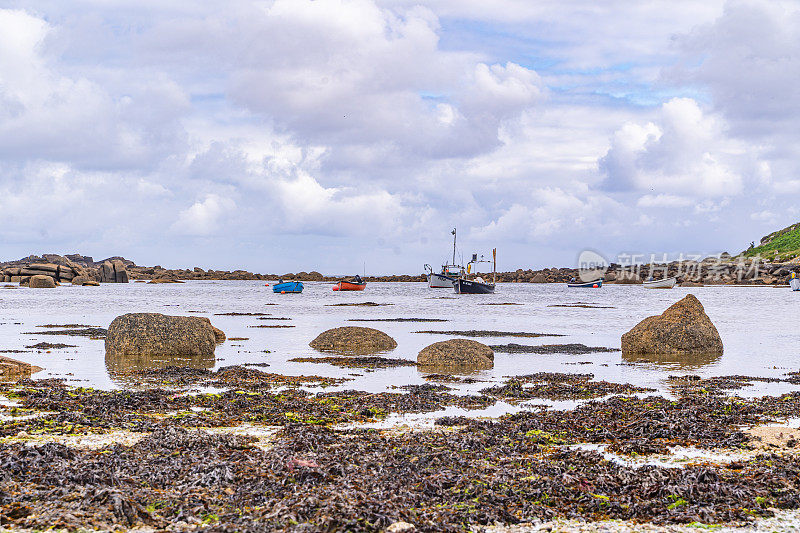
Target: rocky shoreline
[
  {"x": 185, "y": 446},
  {"x": 83, "y": 270},
  {"x": 262, "y": 456}
]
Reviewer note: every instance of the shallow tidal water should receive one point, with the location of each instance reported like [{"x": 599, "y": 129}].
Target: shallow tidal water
[{"x": 756, "y": 325}]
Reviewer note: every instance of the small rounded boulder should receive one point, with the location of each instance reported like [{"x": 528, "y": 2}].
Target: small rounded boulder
[
  {"x": 353, "y": 340},
  {"x": 457, "y": 353}
]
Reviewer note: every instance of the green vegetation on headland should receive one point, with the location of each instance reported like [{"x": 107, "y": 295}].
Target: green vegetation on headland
[{"x": 782, "y": 245}]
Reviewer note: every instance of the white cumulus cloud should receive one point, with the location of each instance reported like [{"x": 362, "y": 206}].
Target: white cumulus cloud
[
  {"x": 204, "y": 217},
  {"x": 683, "y": 152}
]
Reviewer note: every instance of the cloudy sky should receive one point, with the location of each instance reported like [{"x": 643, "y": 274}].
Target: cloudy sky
[{"x": 287, "y": 135}]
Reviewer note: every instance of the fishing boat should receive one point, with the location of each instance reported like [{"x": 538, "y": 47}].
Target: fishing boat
[
  {"x": 666, "y": 283},
  {"x": 446, "y": 278},
  {"x": 794, "y": 282},
  {"x": 288, "y": 287},
  {"x": 585, "y": 284},
  {"x": 356, "y": 284},
  {"x": 477, "y": 285}
]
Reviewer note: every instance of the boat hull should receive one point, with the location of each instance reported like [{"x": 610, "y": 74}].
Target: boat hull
[
  {"x": 667, "y": 283},
  {"x": 463, "y": 286},
  {"x": 795, "y": 284},
  {"x": 293, "y": 287},
  {"x": 586, "y": 285},
  {"x": 347, "y": 286},
  {"x": 440, "y": 281}
]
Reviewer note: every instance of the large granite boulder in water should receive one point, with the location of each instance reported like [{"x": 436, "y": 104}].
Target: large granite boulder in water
[
  {"x": 460, "y": 353},
  {"x": 157, "y": 334},
  {"x": 684, "y": 328},
  {"x": 353, "y": 340}
]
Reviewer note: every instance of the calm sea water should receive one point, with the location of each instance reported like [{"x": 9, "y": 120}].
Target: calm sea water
[{"x": 757, "y": 326}]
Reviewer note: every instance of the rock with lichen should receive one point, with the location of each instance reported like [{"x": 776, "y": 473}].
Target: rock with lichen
[{"x": 684, "y": 328}]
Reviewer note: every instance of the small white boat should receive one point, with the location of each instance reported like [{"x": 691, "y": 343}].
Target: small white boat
[
  {"x": 794, "y": 283},
  {"x": 666, "y": 283}
]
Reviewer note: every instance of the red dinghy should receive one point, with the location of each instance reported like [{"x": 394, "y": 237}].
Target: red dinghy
[{"x": 356, "y": 285}]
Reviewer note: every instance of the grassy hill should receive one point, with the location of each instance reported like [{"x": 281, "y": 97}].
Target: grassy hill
[{"x": 785, "y": 242}]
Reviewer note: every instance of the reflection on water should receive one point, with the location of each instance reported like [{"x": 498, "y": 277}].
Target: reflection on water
[
  {"x": 121, "y": 367},
  {"x": 12, "y": 370},
  {"x": 457, "y": 372},
  {"x": 674, "y": 361}
]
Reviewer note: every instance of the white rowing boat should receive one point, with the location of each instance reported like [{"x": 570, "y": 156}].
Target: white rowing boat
[{"x": 666, "y": 283}]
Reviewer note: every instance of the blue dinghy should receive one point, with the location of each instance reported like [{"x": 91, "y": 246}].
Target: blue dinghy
[
  {"x": 586, "y": 285},
  {"x": 283, "y": 287}
]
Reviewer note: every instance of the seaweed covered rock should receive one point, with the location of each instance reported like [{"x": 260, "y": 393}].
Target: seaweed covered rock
[
  {"x": 41, "y": 282},
  {"x": 353, "y": 340},
  {"x": 684, "y": 328},
  {"x": 157, "y": 334},
  {"x": 461, "y": 353}
]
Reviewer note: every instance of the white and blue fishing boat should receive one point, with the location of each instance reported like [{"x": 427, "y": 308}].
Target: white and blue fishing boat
[
  {"x": 447, "y": 277},
  {"x": 585, "y": 284},
  {"x": 794, "y": 282},
  {"x": 288, "y": 287}
]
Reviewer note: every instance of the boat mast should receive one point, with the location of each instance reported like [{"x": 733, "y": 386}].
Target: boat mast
[
  {"x": 454, "y": 246},
  {"x": 494, "y": 268}
]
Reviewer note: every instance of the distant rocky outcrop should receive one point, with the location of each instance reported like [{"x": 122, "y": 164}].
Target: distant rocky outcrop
[
  {"x": 353, "y": 340},
  {"x": 113, "y": 271},
  {"x": 157, "y": 334},
  {"x": 624, "y": 277},
  {"x": 722, "y": 269},
  {"x": 85, "y": 260},
  {"x": 56, "y": 267},
  {"x": 684, "y": 328},
  {"x": 458, "y": 353},
  {"x": 65, "y": 269}
]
